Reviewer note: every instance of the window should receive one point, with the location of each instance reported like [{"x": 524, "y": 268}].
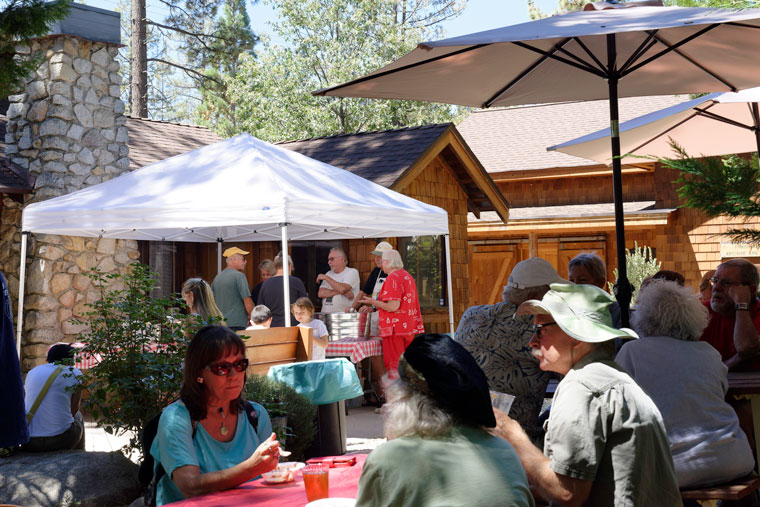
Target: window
[{"x": 425, "y": 259}]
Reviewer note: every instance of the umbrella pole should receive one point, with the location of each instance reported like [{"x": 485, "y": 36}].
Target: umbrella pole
[
  {"x": 623, "y": 288},
  {"x": 756, "y": 121}
]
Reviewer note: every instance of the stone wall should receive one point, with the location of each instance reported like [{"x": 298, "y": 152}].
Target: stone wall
[{"x": 68, "y": 130}]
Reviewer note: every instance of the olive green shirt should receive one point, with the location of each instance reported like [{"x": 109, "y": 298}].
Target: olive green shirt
[
  {"x": 230, "y": 289},
  {"x": 604, "y": 428},
  {"x": 466, "y": 467}
]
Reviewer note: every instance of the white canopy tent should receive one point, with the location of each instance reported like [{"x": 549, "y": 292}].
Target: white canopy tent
[{"x": 241, "y": 189}]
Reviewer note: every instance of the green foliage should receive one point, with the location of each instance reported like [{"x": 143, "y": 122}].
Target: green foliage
[
  {"x": 717, "y": 186},
  {"x": 639, "y": 264},
  {"x": 21, "y": 20},
  {"x": 281, "y": 399},
  {"x": 140, "y": 342},
  {"x": 327, "y": 42}
]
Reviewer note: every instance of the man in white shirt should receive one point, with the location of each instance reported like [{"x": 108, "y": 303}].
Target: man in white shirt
[
  {"x": 340, "y": 285},
  {"x": 57, "y": 423}
]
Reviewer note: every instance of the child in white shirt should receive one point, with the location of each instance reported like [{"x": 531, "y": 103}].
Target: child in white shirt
[{"x": 303, "y": 310}]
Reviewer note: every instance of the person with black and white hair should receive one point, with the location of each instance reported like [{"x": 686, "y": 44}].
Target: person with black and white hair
[
  {"x": 439, "y": 450},
  {"x": 687, "y": 381}
]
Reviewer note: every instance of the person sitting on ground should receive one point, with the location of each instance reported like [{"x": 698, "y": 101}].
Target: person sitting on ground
[
  {"x": 200, "y": 301},
  {"x": 707, "y": 444},
  {"x": 588, "y": 268},
  {"x": 56, "y": 423},
  {"x": 266, "y": 271},
  {"x": 499, "y": 342},
  {"x": 303, "y": 309},
  {"x": 705, "y": 287},
  {"x": 605, "y": 442},
  {"x": 439, "y": 451},
  {"x": 272, "y": 294},
  {"x": 205, "y": 441},
  {"x": 261, "y": 318}
]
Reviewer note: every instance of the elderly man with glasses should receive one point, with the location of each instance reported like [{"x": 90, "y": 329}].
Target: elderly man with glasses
[
  {"x": 339, "y": 286},
  {"x": 735, "y": 315},
  {"x": 605, "y": 442}
]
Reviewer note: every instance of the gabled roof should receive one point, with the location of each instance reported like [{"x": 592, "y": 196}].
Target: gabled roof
[
  {"x": 393, "y": 158},
  {"x": 381, "y": 157},
  {"x": 515, "y": 138},
  {"x": 14, "y": 179},
  {"x": 153, "y": 140}
]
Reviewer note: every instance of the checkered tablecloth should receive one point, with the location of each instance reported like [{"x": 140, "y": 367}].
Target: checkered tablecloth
[{"x": 355, "y": 349}]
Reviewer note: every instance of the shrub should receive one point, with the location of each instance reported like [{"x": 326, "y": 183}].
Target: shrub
[
  {"x": 279, "y": 399},
  {"x": 639, "y": 264},
  {"x": 140, "y": 343}
]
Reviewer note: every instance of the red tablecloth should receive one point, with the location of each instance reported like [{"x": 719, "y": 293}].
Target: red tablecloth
[
  {"x": 355, "y": 349},
  {"x": 344, "y": 483}
]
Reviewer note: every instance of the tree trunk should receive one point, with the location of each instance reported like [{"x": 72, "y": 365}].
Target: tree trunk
[{"x": 139, "y": 77}]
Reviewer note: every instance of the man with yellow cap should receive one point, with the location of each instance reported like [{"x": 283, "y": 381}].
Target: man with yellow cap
[
  {"x": 605, "y": 442},
  {"x": 231, "y": 290}
]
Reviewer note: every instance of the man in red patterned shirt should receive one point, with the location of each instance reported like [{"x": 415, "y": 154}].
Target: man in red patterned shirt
[
  {"x": 399, "y": 309},
  {"x": 735, "y": 315}
]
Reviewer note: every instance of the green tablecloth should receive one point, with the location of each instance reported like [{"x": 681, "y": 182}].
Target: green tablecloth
[{"x": 322, "y": 382}]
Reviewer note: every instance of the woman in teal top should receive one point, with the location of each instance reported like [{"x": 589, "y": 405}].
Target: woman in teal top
[
  {"x": 205, "y": 441},
  {"x": 439, "y": 451}
]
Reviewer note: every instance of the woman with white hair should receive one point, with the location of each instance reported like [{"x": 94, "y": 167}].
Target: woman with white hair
[
  {"x": 439, "y": 450},
  {"x": 686, "y": 378},
  {"x": 399, "y": 310}
]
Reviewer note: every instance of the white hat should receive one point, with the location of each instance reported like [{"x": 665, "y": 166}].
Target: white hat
[
  {"x": 533, "y": 272},
  {"x": 382, "y": 247},
  {"x": 581, "y": 311}
]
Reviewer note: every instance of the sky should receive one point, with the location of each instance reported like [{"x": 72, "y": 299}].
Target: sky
[{"x": 478, "y": 15}]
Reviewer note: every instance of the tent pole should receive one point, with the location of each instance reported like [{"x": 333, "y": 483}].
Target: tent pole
[
  {"x": 447, "y": 241},
  {"x": 623, "y": 288},
  {"x": 285, "y": 273},
  {"x": 22, "y": 276},
  {"x": 218, "y": 255}
]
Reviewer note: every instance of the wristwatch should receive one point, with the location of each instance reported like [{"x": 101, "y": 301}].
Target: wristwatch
[{"x": 741, "y": 306}]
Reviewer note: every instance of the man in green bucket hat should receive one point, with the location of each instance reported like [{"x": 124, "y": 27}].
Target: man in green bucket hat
[{"x": 605, "y": 440}]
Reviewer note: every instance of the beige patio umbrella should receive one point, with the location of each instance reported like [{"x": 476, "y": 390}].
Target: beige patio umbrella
[
  {"x": 715, "y": 124},
  {"x": 606, "y": 51}
]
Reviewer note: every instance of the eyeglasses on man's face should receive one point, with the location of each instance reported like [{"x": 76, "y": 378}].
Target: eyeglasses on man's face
[
  {"x": 538, "y": 327},
  {"x": 224, "y": 368},
  {"x": 714, "y": 282}
]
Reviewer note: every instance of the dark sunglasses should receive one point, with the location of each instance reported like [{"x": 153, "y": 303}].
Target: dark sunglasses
[
  {"x": 222, "y": 369},
  {"x": 537, "y": 328}
]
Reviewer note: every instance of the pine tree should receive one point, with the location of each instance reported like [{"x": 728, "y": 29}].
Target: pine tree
[{"x": 20, "y": 21}]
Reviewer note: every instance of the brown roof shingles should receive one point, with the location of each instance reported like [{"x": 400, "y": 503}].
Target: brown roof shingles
[
  {"x": 516, "y": 138},
  {"x": 380, "y": 157},
  {"x": 152, "y": 140}
]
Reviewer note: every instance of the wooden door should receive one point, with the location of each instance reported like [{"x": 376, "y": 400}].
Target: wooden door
[{"x": 490, "y": 266}]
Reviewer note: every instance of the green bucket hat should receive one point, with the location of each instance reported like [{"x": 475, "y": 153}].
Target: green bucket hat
[{"x": 581, "y": 311}]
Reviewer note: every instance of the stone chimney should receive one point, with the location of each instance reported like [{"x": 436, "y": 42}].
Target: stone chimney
[{"x": 68, "y": 129}]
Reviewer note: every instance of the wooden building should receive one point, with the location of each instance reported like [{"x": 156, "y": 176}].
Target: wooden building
[
  {"x": 563, "y": 205},
  {"x": 432, "y": 164}
]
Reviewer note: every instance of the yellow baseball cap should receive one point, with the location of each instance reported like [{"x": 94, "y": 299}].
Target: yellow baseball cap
[{"x": 234, "y": 250}]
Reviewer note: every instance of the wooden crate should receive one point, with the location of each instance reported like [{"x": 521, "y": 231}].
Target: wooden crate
[{"x": 277, "y": 345}]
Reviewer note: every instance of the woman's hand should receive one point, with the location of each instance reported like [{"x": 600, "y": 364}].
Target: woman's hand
[
  {"x": 367, "y": 301},
  {"x": 266, "y": 456}
]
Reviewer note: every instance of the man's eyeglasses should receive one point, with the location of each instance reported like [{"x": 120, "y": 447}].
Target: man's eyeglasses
[
  {"x": 537, "y": 328},
  {"x": 331, "y": 258},
  {"x": 222, "y": 369},
  {"x": 725, "y": 283}
]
